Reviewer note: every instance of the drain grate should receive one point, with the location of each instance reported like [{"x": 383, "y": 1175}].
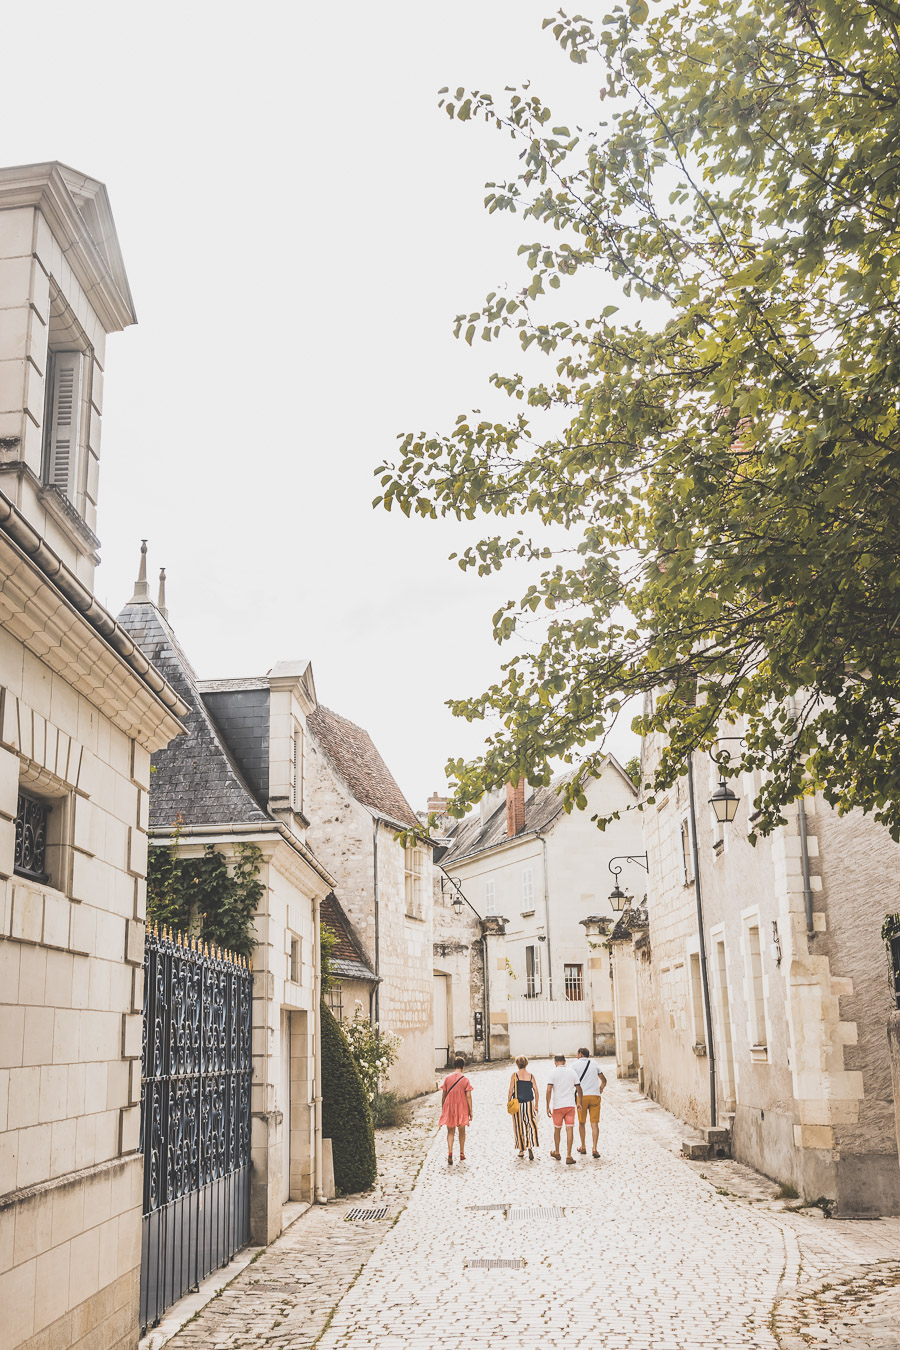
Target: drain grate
[
  {"x": 379, "y": 1213},
  {"x": 536, "y": 1212},
  {"x": 504, "y": 1207},
  {"x": 514, "y": 1263}
]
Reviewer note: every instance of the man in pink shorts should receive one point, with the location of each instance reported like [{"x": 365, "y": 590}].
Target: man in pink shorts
[{"x": 563, "y": 1094}]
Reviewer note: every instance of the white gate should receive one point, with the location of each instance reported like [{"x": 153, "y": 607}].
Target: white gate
[{"x": 539, "y": 1027}]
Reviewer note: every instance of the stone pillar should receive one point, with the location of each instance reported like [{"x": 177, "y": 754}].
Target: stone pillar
[
  {"x": 498, "y": 991},
  {"x": 599, "y": 991},
  {"x": 266, "y": 1122}
]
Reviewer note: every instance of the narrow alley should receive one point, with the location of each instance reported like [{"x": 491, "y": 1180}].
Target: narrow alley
[{"x": 638, "y": 1249}]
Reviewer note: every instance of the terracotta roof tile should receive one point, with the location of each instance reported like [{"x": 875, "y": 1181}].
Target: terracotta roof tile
[{"x": 352, "y": 753}]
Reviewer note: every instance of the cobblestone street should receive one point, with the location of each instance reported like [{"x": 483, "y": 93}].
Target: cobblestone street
[{"x": 650, "y": 1252}]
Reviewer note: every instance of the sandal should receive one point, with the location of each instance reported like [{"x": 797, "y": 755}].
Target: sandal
[
  {"x": 531, "y": 1155},
  {"x": 557, "y": 1156},
  {"x": 582, "y": 1150},
  {"x": 570, "y": 1162},
  {"x": 462, "y": 1157},
  {"x": 595, "y": 1155},
  {"x": 450, "y": 1160}
]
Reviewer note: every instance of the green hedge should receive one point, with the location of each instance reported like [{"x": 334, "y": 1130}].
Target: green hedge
[{"x": 346, "y": 1118}]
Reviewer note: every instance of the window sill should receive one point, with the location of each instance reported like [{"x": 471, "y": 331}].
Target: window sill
[
  {"x": 699, "y": 1049},
  {"x": 526, "y": 913},
  {"x": 759, "y": 1054}
]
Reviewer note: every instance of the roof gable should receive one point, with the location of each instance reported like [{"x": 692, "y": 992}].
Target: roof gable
[
  {"x": 348, "y": 957},
  {"x": 352, "y": 753}
]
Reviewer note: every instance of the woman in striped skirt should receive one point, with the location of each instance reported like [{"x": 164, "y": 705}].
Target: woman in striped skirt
[{"x": 523, "y": 1089}]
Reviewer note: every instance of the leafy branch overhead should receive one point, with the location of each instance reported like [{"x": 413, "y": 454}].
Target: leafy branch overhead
[{"x": 729, "y": 469}]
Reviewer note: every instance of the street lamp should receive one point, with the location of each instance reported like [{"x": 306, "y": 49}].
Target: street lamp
[
  {"x": 724, "y": 802},
  {"x": 617, "y": 897}
]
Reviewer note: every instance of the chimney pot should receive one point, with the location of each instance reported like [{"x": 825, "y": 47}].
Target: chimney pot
[{"x": 515, "y": 808}]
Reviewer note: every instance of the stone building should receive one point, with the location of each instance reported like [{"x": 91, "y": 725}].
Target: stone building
[
  {"x": 535, "y": 874},
  {"x": 354, "y": 981},
  {"x": 81, "y": 712},
  {"x": 237, "y": 778},
  {"x": 385, "y": 889},
  {"x": 798, "y": 983}
]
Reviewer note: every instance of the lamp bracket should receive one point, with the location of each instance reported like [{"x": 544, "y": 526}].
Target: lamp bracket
[{"x": 628, "y": 858}]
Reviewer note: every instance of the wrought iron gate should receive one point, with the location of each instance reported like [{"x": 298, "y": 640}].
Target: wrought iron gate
[{"x": 195, "y": 1115}]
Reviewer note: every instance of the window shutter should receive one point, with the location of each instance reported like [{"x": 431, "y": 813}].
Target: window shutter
[
  {"x": 528, "y": 888},
  {"x": 538, "y": 977},
  {"x": 490, "y": 897},
  {"x": 64, "y": 421}
]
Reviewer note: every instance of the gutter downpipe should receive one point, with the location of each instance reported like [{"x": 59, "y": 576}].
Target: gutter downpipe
[
  {"x": 377, "y": 1001},
  {"x": 804, "y": 848},
  {"x": 317, "y": 1062},
  {"x": 704, "y": 972},
  {"x": 547, "y": 919},
  {"x": 486, "y": 999}
]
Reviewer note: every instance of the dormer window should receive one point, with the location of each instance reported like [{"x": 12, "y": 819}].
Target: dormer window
[{"x": 64, "y": 421}]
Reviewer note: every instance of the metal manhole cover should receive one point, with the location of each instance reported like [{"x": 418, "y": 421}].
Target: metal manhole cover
[
  {"x": 536, "y": 1212},
  {"x": 504, "y": 1208},
  {"x": 379, "y": 1213},
  {"x": 514, "y": 1263}
]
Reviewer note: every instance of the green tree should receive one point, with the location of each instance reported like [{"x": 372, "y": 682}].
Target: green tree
[
  {"x": 346, "y": 1118},
  {"x": 729, "y": 469}
]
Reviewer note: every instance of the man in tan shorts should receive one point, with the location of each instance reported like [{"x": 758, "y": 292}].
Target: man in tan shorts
[{"x": 592, "y": 1081}]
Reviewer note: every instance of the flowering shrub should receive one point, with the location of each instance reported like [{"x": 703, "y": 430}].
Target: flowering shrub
[{"x": 373, "y": 1050}]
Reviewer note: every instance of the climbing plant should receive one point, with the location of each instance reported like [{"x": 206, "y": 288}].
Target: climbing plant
[
  {"x": 212, "y": 896},
  {"x": 327, "y": 944}
]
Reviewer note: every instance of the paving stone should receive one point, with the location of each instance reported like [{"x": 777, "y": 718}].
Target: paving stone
[{"x": 654, "y": 1252}]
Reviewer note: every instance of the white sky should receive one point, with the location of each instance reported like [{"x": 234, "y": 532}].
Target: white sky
[{"x": 300, "y": 224}]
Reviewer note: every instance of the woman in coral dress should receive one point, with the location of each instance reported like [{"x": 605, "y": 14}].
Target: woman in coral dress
[{"x": 457, "y": 1112}]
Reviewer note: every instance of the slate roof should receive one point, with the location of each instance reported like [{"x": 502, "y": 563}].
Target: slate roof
[
  {"x": 195, "y": 775},
  {"x": 348, "y": 957},
  {"x": 542, "y": 808},
  {"x": 352, "y": 753}
]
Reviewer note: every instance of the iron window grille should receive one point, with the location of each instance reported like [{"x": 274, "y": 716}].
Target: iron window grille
[
  {"x": 31, "y": 837},
  {"x": 573, "y": 979}
]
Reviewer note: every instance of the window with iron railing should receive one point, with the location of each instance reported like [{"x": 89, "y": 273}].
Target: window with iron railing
[
  {"x": 573, "y": 983},
  {"x": 30, "y": 858}
]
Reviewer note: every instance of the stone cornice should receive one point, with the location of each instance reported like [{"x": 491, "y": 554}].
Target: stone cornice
[
  {"x": 97, "y": 264},
  {"x": 45, "y": 606}
]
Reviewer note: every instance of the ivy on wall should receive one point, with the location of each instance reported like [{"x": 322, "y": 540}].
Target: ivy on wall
[{"x": 203, "y": 896}]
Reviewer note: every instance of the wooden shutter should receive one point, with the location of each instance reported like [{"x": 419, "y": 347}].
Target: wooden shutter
[{"x": 65, "y": 417}]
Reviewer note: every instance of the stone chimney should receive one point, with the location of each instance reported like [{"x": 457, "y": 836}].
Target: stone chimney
[
  {"x": 515, "y": 808},
  {"x": 436, "y": 805}
]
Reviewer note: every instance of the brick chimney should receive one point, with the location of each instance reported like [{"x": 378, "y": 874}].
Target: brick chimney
[
  {"x": 436, "y": 805},
  {"x": 515, "y": 808}
]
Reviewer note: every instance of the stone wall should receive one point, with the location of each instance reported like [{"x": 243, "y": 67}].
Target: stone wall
[
  {"x": 71, "y": 984},
  {"x": 346, "y": 838},
  {"x": 798, "y": 1057},
  {"x": 459, "y": 958}
]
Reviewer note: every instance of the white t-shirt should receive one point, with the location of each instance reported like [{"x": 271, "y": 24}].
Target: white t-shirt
[
  {"x": 562, "y": 1081},
  {"x": 590, "y": 1083}
]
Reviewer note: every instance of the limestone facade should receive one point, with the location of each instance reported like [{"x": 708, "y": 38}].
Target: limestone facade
[
  {"x": 384, "y": 888},
  {"x": 798, "y": 1011},
  {"x": 537, "y": 873},
  {"x": 246, "y": 748},
  {"x": 81, "y": 712}
]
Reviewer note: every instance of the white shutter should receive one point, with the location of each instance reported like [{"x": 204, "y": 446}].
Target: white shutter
[
  {"x": 528, "y": 888},
  {"x": 65, "y": 417},
  {"x": 490, "y": 897}
]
